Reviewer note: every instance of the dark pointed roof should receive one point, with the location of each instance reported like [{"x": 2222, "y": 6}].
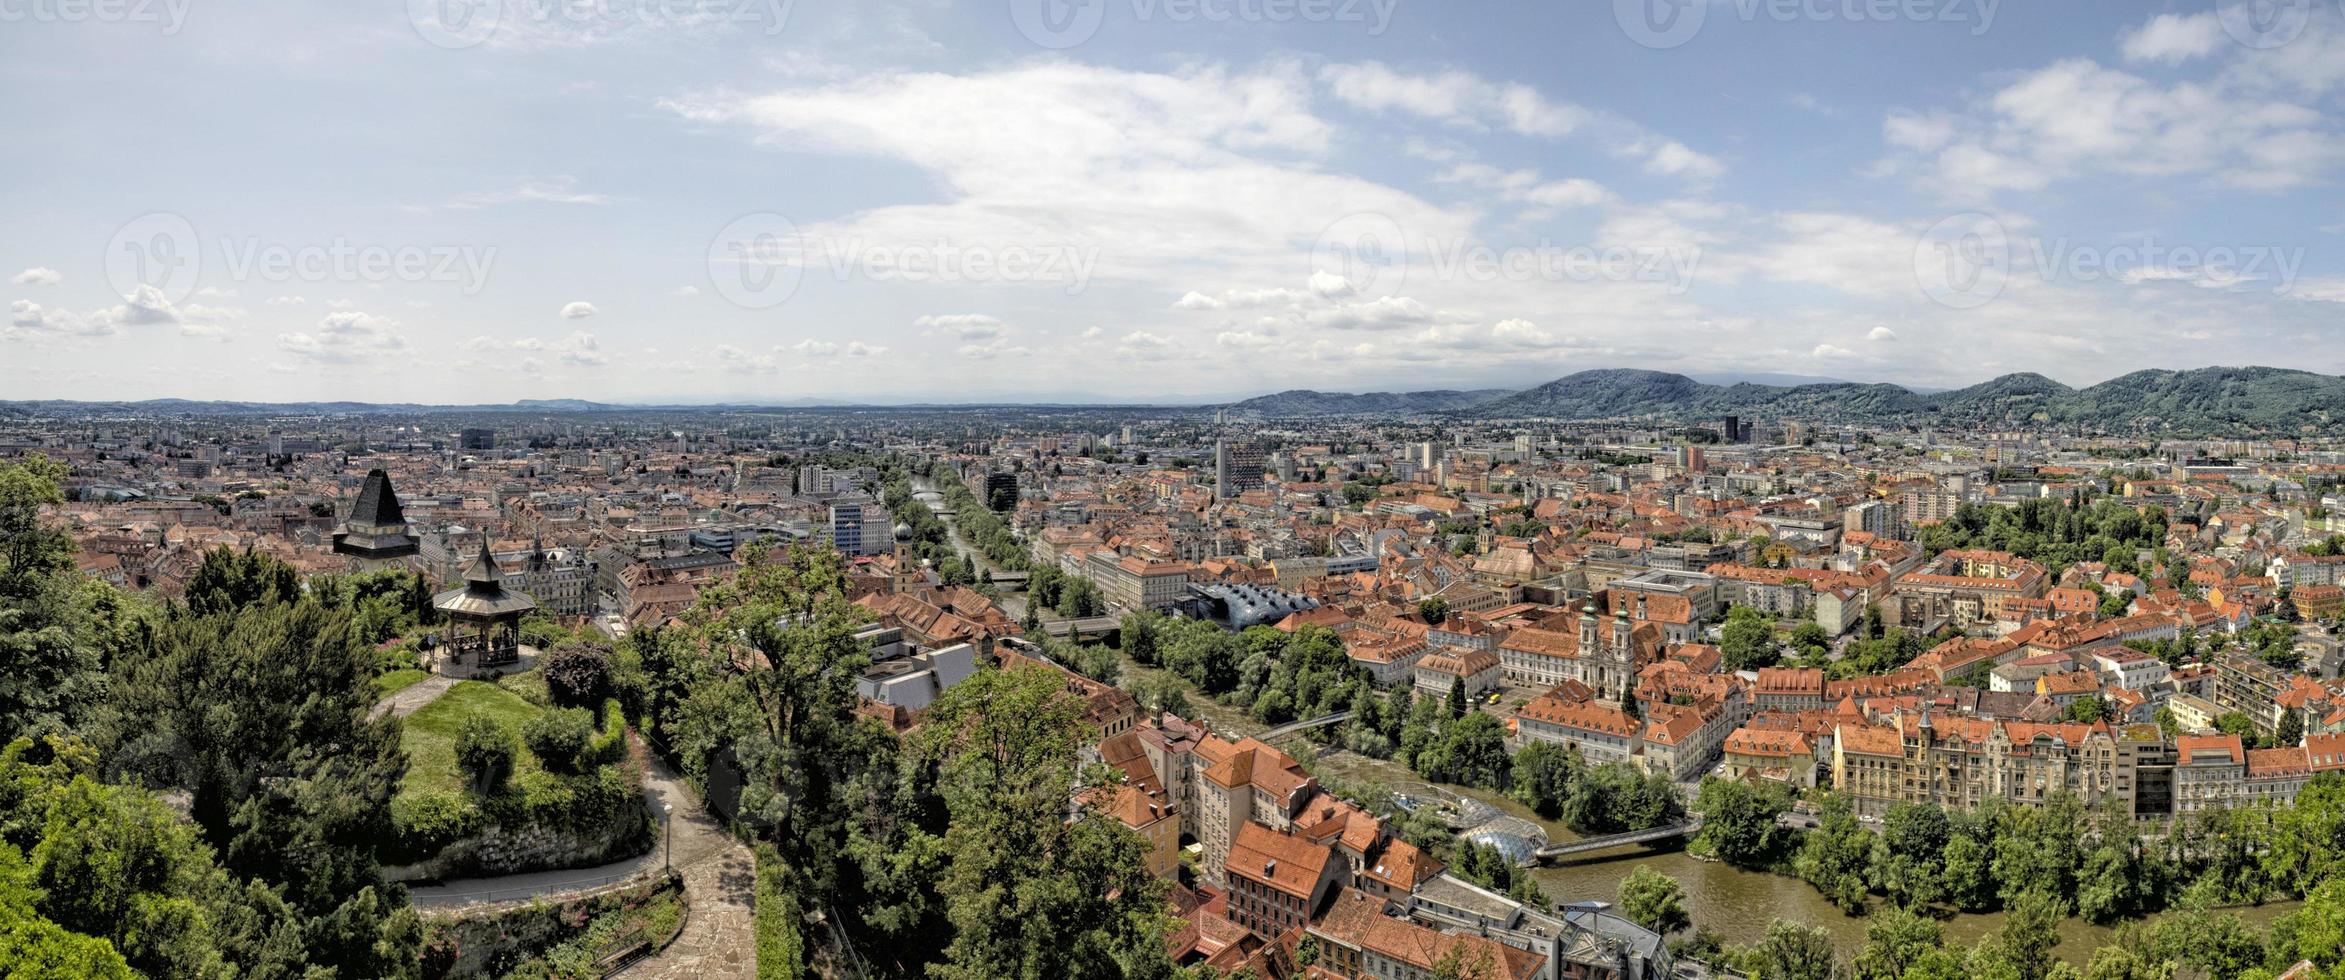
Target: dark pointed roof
[
  {"x": 377, "y": 527},
  {"x": 378, "y": 504}
]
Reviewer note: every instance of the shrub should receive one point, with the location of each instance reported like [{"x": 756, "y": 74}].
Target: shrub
[
  {"x": 781, "y": 951},
  {"x": 428, "y": 822},
  {"x": 577, "y": 675},
  {"x": 560, "y": 739},
  {"x": 484, "y": 750}
]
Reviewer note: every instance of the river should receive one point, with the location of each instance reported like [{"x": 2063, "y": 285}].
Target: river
[{"x": 1734, "y": 903}]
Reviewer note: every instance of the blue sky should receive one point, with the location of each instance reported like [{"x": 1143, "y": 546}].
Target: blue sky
[{"x": 703, "y": 200}]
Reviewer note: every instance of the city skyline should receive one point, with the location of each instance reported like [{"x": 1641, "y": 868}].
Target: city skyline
[{"x": 699, "y": 204}]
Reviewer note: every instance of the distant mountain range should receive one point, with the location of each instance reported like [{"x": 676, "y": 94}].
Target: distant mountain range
[
  {"x": 2204, "y": 401},
  {"x": 1303, "y": 401},
  {"x": 2216, "y": 401}
]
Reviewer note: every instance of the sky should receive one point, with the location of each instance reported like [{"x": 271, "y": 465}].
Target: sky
[{"x": 1166, "y": 201}]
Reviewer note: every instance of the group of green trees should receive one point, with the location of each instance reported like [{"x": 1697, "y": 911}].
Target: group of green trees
[
  {"x": 931, "y": 539},
  {"x": 2107, "y": 864},
  {"x": 2056, "y": 532},
  {"x": 947, "y": 854},
  {"x": 1606, "y": 799},
  {"x": 247, "y": 702},
  {"x": 1276, "y": 677},
  {"x": 1901, "y": 944},
  {"x": 1071, "y": 597}
]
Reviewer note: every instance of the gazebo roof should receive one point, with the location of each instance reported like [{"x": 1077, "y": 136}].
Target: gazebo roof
[{"x": 484, "y": 595}]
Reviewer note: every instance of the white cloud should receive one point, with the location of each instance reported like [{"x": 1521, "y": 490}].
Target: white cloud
[
  {"x": 2076, "y": 119},
  {"x": 579, "y": 349},
  {"x": 1917, "y": 131},
  {"x": 1880, "y": 334},
  {"x": 2174, "y": 38},
  {"x": 967, "y": 326},
  {"x": 286, "y": 301},
  {"x": 1145, "y": 171},
  {"x": 1519, "y": 332},
  {"x": 346, "y": 337},
  {"x": 577, "y": 310},
  {"x": 37, "y": 276},
  {"x": 1831, "y": 352},
  {"x": 550, "y": 190},
  {"x": 1454, "y": 97},
  {"x": 1675, "y": 159},
  {"x": 737, "y": 361},
  {"x": 685, "y": 292}
]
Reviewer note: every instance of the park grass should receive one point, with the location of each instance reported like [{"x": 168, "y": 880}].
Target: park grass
[
  {"x": 429, "y": 735},
  {"x": 392, "y": 682}
]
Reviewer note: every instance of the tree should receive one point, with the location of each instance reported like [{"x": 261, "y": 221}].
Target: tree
[
  {"x": 559, "y": 739},
  {"x": 1543, "y": 776},
  {"x": 1747, "y": 642},
  {"x": 1740, "y": 820},
  {"x": 1457, "y": 697},
  {"x": 1434, "y": 610},
  {"x": 1654, "y": 900},
  {"x": 30, "y": 548},
  {"x": 1138, "y": 635},
  {"x": 1838, "y": 855},
  {"x": 484, "y": 751},
  {"x": 1790, "y": 951},
  {"x": 578, "y": 675},
  {"x": 2291, "y": 730},
  {"x": 2031, "y": 927},
  {"x": 57, "y": 629},
  {"x": 1911, "y": 862},
  {"x": 1030, "y": 893},
  {"x": 1896, "y": 940}
]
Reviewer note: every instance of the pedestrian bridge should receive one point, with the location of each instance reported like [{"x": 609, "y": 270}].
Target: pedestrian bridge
[
  {"x": 1552, "y": 852},
  {"x": 1292, "y": 727}
]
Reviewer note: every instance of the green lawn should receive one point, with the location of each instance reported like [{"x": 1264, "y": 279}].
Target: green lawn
[
  {"x": 429, "y": 735},
  {"x": 392, "y": 682}
]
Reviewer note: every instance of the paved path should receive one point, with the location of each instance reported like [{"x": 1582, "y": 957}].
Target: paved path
[
  {"x": 411, "y": 699},
  {"x": 720, "y": 873}
]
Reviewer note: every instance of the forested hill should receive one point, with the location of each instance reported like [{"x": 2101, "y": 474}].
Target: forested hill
[{"x": 2234, "y": 401}]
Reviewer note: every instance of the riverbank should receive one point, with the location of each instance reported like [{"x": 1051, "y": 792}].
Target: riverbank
[{"x": 1733, "y": 902}]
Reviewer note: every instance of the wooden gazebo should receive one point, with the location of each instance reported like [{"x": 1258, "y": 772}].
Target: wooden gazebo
[{"x": 492, "y": 612}]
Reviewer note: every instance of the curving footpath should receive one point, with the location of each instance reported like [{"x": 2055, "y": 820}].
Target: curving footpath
[{"x": 720, "y": 873}]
